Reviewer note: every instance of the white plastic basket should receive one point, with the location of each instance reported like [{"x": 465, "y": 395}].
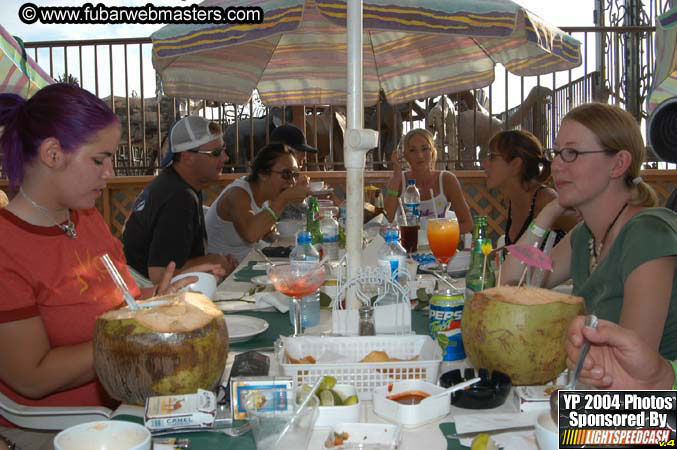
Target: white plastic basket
[{"x": 339, "y": 356}]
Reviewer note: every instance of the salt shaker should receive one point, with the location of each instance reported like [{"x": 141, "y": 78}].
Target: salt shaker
[{"x": 367, "y": 327}]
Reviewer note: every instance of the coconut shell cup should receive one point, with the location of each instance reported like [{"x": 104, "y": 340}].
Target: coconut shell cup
[
  {"x": 176, "y": 346},
  {"x": 519, "y": 331}
]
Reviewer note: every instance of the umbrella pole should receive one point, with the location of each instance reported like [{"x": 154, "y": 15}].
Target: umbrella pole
[{"x": 358, "y": 141}]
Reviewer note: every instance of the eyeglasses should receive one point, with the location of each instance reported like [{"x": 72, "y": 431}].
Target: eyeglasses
[
  {"x": 570, "y": 154},
  {"x": 287, "y": 174},
  {"x": 215, "y": 153}
]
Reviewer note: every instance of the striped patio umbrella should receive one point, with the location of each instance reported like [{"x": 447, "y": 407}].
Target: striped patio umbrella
[
  {"x": 19, "y": 74},
  {"x": 662, "y": 134},
  {"x": 416, "y": 49}
]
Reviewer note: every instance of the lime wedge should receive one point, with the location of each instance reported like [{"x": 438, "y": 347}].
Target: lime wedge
[
  {"x": 337, "y": 398},
  {"x": 352, "y": 400},
  {"x": 327, "y": 383},
  {"x": 326, "y": 398}
]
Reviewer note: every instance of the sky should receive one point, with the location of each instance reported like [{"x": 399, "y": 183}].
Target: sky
[{"x": 569, "y": 13}]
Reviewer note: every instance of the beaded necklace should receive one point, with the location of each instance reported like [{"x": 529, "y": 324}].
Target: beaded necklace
[{"x": 595, "y": 252}]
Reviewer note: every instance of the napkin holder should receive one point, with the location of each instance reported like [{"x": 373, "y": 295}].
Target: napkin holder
[{"x": 393, "y": 318}]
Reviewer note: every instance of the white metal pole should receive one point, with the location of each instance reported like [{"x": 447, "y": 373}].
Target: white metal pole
[{"x": 354, "y": 158}]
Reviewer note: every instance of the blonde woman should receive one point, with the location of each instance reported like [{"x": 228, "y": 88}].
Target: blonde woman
[
  {"x": 420, "y": 154},
  {"x": 622, "y": 257}
]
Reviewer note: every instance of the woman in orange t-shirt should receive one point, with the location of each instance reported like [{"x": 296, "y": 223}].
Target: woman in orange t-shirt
[{"x": 58, "y": 147}]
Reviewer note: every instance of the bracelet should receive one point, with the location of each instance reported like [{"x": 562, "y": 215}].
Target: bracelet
[
  {"x": 674, "y": 367},
  {"x": 271, "y": 212},
  {"x": 392, "y": 192},
  {"x": 537, "y": 231}
]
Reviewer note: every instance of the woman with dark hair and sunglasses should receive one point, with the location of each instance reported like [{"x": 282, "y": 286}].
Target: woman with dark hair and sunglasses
[
  {"x": 623, "y": 257},
  {"x": 517, "y": 167},
  {"x": 248, "y": 208},
  {"x": 58, "y": 148}
]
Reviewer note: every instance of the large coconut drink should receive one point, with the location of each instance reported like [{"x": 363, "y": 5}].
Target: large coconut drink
[
  {"x": 173, "y": 345},
  {"x": 519, "y": 331}
]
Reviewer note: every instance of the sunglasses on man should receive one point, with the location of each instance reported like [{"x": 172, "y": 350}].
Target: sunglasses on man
[{"x": 215, "y": 153}]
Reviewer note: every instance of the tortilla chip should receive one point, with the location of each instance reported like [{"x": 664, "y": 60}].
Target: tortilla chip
[{"x": 305, "y": 360}]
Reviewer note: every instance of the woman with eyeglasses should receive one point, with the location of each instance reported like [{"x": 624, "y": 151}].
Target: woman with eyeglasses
[
  {"x": 58, "y": 148},
  {"x": 517, "y": 167},
  {"x": 248, "y": 208},
  {"x": 623, "y": 256},
  {"x": 420, "y": 154}
]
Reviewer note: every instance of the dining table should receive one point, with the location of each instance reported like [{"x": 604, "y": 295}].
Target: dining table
[{"x": 234, "y": 297}]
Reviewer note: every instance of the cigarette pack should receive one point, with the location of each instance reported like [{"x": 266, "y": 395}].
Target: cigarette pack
[
  {"x": 181, "y": 411},
  {"x": 263, "y": 394}
]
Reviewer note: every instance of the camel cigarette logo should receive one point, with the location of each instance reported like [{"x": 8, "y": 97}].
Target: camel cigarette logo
[
  {"x": 644, "y": 437},
  {"x": 617, "y": 419}
]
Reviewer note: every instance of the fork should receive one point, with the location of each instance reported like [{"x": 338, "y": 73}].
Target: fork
[{"x": 233, "y": 432}]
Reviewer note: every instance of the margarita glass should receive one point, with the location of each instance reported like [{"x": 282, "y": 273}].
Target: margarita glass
[
  {"x": 297, "y": 280},
  {"x": 443, "y": 237}
]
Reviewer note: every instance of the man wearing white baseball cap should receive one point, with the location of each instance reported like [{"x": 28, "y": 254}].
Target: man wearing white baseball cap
[{"x": 167, "y": 221}]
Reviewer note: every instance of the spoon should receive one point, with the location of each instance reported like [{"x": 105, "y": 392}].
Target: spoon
[
  {"x": 590, "y": 322},
  {"x": 454, "y": 388}
]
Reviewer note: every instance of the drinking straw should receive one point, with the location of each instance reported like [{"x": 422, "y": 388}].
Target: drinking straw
[
  {"x": 404, "y": 215},
  {"x": 298, "y": 411},
  {"x": 486, "y": 250},
  {"x": 432, "y": 197},
  {"x": 119, "y": 281},
  {"x": 523, "y": 275},
  {"x": 500, "y": 267}
]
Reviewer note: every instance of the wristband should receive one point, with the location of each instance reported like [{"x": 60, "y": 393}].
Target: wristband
[
  {"x": 674, "y": 367},
  {"x": 537, "y": 231},
  {"x": 392, "y": 192},
  {"x": 271, "y": 212}
]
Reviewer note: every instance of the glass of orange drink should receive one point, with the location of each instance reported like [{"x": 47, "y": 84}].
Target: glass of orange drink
[{"x": 443, "y": 237}]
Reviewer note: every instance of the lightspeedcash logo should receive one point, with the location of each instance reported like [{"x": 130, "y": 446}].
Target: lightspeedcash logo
[{"x": 149, "y": 14}]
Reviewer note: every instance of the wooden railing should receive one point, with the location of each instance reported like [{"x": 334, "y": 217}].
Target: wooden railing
[{"x": 119, "y": 195}]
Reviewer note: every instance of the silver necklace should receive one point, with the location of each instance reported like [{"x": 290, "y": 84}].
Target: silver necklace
[{"x": 68, "y": 227}]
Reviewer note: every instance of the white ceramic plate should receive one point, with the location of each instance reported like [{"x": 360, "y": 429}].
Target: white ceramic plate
[
  {"x": 243, "y": 328},
  {"x": 323, "y": 191},
  {"x": 231, "y": 306},
  {"x": 262, "y": 280}
]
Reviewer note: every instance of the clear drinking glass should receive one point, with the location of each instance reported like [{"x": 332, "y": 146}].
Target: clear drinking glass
[
  {"x": 443, "y": 237},
  {"x": 297, "y": 280}
]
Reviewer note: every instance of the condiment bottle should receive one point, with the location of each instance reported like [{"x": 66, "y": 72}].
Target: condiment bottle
[{"x": 367, "y": 327}]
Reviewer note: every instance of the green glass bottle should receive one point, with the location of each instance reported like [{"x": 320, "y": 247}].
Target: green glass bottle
[
  {"x": 313, "y": 220},
  {"x": 477, "y": 273}
]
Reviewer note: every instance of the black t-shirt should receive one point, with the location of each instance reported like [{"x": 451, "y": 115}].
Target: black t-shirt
[{"x": 166, "y": 224}]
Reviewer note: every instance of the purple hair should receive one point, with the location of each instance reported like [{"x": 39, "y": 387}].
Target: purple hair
[{"x": 63, "y": 111}]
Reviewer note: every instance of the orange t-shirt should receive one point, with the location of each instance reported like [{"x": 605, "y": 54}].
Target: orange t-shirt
[{"x": 45, "y": 273}]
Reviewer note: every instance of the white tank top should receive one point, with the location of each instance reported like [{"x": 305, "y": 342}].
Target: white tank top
[
  {"x": 426, "y": 207},
  {"x": 222, "y": 236},
  {"x": 427, "y": 210}
]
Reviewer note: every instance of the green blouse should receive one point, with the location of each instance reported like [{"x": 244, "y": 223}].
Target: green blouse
[{"x": 648, "y": 235}]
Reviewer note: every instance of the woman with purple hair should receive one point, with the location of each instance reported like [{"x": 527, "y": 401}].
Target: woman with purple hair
[{"x": 57, "y": 148}]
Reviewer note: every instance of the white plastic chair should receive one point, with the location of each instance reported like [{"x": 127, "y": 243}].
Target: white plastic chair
[{"x": 50, "y": 417}]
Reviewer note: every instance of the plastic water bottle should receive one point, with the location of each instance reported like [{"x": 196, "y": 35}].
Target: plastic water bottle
[
  {"x": 393, "y": 257},
  {"x": 330, "y": 236},
  {"x": 412, "y": 203},
  {"x": 305, "y": 253}
]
